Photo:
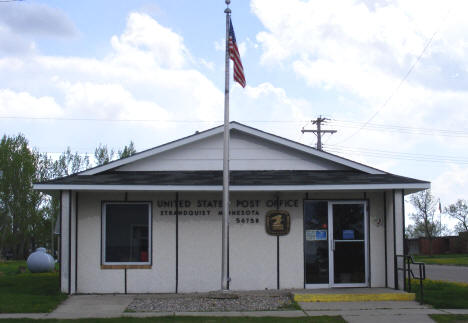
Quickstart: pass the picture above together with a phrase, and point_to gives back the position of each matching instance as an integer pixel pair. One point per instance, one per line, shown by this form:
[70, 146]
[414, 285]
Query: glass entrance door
[348, 251]
[316, 244]
[335, 244]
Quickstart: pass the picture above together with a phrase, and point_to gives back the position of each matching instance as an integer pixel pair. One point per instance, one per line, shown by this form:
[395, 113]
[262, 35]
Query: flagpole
[225, 222]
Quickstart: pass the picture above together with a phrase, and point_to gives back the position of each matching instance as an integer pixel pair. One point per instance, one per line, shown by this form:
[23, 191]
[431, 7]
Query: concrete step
[353, 295]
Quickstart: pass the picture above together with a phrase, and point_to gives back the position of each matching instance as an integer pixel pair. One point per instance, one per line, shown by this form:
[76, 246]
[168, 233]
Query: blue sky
[163, 61]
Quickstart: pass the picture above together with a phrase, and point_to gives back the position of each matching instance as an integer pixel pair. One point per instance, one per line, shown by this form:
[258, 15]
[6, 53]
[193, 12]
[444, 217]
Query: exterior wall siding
[253, 261]
[246, 153]
[399, 233]
[390, 240]
[161, 277]
[64, 241]
[376, 237]
[199, 248]
[91, 278]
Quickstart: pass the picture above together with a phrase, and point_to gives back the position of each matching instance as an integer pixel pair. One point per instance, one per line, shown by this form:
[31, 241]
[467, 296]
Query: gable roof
[243, 129]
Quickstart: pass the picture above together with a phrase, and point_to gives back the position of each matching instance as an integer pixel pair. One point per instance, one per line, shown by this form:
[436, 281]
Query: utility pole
[319, 130]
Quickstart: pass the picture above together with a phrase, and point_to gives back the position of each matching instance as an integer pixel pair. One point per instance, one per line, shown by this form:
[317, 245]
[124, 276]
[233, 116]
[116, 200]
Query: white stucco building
[151, 223]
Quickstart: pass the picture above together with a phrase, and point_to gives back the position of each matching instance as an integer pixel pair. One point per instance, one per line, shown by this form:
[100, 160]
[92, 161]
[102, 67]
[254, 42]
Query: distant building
[300, 218]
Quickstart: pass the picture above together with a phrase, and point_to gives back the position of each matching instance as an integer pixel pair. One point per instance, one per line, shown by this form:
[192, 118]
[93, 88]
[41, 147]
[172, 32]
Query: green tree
[27, 217]
[459, 212]
[19, 202]
[419, 230]
[103, 155]
[69, 163]
[425, 223]
[127, 151]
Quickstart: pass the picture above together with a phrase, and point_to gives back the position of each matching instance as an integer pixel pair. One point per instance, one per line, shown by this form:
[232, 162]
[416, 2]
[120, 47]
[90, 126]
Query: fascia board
[90, 187]
[234, 188]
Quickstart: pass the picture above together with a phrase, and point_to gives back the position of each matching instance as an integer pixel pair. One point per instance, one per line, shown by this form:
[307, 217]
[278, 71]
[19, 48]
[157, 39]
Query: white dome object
[40, 261]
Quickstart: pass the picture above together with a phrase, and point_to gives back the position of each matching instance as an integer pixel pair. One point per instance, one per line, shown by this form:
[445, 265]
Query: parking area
[457, 274]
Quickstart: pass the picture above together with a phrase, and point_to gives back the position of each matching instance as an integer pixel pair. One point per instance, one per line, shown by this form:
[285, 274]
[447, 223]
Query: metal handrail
[408, 272]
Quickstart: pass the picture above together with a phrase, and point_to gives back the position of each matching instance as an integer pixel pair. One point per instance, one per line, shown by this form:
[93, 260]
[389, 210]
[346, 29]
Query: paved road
[448, 273]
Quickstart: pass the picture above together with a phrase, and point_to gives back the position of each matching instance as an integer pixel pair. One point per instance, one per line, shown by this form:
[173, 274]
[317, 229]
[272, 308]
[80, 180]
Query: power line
[392, 157]
[398, 155]
[393, 152]
[144, 120]
[304, 122]
[395, 126]
[398, 86]
[340, 123]
[402, 129]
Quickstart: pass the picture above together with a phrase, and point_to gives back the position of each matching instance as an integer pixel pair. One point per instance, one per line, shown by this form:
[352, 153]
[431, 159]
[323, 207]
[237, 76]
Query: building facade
[299, 218]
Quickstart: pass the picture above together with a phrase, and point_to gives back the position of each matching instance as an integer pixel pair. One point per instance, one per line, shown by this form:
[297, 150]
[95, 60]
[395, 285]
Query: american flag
[235, 56]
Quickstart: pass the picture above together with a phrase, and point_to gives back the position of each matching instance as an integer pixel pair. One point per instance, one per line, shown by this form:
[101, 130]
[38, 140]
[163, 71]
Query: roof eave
[414, 187]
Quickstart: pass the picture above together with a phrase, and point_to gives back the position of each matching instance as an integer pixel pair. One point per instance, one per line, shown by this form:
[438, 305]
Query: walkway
[87, 306]
[449, 273]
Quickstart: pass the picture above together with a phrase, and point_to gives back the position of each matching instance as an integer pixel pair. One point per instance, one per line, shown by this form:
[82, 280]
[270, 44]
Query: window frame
[118, 265]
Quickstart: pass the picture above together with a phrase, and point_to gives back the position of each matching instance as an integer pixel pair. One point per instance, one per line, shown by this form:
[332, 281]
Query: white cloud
[452, 184]
[366, 50]
[14, 104]
[242, 48]
[149, 43]
[149, 74]
[207, 64]
[220, 45]
[110, 101]
[362, 50]
[266, 102]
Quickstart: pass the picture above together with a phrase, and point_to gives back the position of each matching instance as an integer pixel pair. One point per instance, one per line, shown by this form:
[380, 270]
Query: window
[126, 233]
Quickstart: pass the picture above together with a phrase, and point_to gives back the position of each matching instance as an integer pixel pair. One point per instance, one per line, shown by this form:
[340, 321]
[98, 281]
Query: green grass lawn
[442, 294]
[446, 318]
[451, 259]
[27, 292]
[206, 319]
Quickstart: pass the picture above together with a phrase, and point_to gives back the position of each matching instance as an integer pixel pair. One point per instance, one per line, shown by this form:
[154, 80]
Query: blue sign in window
[348, 234]
[321, 235]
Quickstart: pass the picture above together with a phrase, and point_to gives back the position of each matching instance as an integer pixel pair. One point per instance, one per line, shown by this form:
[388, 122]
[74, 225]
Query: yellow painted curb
[354, 297]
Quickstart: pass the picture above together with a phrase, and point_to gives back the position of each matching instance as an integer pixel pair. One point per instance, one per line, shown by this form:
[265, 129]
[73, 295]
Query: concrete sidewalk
[105, 306]
[85, 306]
[385, 311]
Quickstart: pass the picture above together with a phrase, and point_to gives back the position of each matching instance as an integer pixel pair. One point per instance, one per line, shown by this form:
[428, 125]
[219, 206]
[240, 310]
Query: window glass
[127, 233]
[348, 221]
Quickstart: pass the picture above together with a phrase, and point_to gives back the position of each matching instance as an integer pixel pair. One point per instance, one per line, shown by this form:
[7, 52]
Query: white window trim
[103, 233]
